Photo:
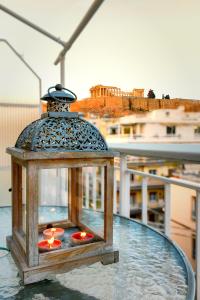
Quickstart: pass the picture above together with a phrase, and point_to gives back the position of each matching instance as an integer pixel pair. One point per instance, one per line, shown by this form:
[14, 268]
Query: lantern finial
[59, 99]
[58, 87]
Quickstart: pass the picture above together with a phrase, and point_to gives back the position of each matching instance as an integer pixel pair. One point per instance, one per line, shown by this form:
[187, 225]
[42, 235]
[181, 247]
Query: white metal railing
[122, 183]
[124, 208]
[124, 201]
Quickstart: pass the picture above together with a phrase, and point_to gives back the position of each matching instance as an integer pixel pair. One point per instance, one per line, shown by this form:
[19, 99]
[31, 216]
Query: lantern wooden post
[32, 214]
[75, 194]
[16, 195]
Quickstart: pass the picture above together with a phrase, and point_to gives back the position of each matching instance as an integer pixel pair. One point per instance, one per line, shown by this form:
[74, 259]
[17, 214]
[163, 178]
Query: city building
[183, 220]
[183, 200]
[159, 126]
[156, 188]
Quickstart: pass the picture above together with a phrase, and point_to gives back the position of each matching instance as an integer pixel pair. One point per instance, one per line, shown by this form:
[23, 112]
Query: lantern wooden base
[35, 266]
[57, 262]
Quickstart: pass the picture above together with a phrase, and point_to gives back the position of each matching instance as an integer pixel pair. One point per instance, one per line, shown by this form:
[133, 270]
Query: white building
[159, 126]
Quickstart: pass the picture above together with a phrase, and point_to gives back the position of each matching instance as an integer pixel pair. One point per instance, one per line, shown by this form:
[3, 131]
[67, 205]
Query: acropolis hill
[109, 100]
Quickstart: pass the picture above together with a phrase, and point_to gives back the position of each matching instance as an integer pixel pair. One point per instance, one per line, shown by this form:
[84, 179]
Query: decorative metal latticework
[61, 134]
[57, 106]
[60, 130]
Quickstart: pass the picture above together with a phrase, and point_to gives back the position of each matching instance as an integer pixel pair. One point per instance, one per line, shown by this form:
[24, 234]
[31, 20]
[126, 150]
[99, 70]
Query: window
[171, 172]
[193, 247]
[170, 130]
[133, 200]
[197, 130]
[153, 196]
[194, 208]
[127, 130]
[153, 171]
[113, 130]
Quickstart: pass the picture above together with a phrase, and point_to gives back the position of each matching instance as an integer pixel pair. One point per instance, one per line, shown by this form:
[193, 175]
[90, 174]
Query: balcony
[151, 265]
[169, 138]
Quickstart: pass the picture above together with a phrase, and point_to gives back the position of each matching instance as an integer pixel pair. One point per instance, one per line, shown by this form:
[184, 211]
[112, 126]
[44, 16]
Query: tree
[151, 94]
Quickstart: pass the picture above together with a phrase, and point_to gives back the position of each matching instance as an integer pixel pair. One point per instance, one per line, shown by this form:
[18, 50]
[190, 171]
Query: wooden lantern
[60, 139]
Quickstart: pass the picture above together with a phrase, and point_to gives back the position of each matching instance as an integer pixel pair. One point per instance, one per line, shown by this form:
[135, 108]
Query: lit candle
[83, 237]
[49, 245]
[57, 233]
[50, 242]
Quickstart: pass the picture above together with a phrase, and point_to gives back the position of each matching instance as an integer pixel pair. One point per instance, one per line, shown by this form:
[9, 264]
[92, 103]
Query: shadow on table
[51, 290]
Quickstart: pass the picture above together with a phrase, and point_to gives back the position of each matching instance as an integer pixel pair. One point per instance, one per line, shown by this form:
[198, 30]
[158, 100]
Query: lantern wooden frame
[34, 266]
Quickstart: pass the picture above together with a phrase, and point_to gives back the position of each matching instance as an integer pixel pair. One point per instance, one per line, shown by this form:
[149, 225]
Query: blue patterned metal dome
[59, 130]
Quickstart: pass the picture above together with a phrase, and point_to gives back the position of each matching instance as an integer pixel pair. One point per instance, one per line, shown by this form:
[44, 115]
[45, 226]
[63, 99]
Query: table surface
[150, 267]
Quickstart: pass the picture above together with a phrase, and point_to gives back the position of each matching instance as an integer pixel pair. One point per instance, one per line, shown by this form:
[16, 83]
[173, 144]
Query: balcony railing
[188, 154]
[164, 138]
[179, 153]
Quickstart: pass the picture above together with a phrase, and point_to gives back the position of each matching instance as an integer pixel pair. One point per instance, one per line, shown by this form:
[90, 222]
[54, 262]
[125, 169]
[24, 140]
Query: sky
[128, 43]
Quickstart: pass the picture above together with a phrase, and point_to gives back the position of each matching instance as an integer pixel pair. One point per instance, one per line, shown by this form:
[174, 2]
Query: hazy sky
[128, 43]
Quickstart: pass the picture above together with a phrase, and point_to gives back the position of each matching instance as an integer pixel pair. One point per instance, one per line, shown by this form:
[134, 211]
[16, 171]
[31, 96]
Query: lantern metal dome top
[59, 130]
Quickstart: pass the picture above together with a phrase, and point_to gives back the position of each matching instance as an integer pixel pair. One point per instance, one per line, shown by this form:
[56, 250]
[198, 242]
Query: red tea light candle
[49, 245]
[79, 238]
[57, 233]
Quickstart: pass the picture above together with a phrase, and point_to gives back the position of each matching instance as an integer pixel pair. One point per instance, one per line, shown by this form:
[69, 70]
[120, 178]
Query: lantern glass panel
[93, 199]
[53, 195]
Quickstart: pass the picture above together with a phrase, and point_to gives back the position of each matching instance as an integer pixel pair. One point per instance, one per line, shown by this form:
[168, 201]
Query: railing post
[144, 200]
[124, 188]
[87, 188]
[197, 244]
[58, 186]
[67, 187]
[102, 188]
[167, 208]
[94, 190]
[115, 193]
[127, 195]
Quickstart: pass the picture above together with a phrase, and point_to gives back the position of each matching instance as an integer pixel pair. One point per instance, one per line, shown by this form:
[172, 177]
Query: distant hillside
[113, 102]
[116, 106]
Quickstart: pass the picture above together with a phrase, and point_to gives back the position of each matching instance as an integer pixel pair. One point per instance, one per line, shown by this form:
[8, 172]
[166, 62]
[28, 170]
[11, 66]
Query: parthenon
[109, 91]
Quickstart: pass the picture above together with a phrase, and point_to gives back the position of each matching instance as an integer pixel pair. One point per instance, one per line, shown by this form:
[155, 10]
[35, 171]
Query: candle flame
[83, 234]
[50, 242]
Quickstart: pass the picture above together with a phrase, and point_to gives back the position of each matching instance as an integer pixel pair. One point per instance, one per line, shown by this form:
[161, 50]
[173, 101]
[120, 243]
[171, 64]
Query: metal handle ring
[61, 100]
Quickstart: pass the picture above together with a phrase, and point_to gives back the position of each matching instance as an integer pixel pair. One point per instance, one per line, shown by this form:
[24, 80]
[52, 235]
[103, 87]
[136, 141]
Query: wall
[13, 119]
[181, 213]
[183, 237]
[182, 197]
